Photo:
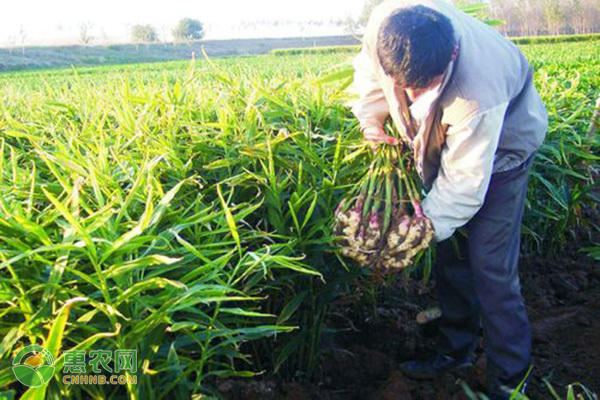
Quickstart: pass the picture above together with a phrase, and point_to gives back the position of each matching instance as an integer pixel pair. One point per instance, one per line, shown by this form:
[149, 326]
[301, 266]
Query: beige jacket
[488, 118]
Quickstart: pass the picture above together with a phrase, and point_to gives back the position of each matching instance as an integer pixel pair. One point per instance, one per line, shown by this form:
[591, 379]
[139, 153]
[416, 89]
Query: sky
[59, 21]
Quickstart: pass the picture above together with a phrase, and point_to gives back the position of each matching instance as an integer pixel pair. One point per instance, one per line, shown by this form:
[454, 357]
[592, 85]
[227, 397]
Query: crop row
[188, 211]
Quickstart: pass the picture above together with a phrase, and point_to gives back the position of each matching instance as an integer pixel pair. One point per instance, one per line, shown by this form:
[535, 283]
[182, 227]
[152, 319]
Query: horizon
[109, 22]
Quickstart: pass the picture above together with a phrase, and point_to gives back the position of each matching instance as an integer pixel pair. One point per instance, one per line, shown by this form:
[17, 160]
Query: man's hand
[376, 135]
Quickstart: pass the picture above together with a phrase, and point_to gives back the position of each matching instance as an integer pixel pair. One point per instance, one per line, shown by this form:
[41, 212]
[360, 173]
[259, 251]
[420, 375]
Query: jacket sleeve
[467, 160]
[371, 108]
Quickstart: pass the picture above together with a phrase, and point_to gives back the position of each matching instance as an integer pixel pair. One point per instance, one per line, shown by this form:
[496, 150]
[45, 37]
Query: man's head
[415, 46]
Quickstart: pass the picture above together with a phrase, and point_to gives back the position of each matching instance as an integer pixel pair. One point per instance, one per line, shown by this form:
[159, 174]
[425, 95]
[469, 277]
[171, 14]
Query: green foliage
[562, 184]
[189, 208]
[316, 50]
[574, 391]
[189, 29]
[144, 34]
[356, 48]
[593, 251]
[555, 39]
[172, 213]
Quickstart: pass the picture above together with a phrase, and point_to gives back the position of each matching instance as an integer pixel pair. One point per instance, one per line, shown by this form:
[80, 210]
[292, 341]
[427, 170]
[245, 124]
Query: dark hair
[415, 45]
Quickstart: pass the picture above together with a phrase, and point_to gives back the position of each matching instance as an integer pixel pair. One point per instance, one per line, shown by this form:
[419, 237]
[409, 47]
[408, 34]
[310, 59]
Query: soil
[563, 299]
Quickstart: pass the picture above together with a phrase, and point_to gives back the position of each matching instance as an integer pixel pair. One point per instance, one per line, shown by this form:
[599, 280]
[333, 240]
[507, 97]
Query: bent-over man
[463, 99]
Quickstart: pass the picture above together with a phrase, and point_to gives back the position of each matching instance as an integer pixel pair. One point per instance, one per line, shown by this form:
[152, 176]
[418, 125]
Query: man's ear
[436, 81]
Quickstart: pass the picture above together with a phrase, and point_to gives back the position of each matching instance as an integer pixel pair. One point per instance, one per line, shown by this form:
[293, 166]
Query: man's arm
[467, 161]
[371, 107]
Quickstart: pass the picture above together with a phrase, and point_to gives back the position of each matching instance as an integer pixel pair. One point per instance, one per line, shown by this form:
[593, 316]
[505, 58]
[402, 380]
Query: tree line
[546, 17]
[186, 29]
[528, 17]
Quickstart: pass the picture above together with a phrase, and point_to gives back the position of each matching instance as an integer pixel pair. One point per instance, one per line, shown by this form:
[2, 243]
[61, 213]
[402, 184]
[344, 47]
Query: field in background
[31, 58]
[189, 206]
[517, 40]
[66, 56]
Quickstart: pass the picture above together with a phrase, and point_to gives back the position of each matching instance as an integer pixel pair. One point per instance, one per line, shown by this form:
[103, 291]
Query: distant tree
[164, 32]
[554, 16]
[337, 21]
[22, 38]
[575, 16]
[539, 17]
[104, 36]
[363, 18]
[189, 29]
[592, 16]
[12, 42]
[352, 26]
[476, 8]
[521, 17]
[144, 33]
[85, 36]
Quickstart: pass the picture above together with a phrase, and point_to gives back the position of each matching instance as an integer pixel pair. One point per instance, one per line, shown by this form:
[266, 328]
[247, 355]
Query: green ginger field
[184, 210]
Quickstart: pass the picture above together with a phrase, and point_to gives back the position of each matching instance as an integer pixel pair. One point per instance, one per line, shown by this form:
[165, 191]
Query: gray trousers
[478, 282]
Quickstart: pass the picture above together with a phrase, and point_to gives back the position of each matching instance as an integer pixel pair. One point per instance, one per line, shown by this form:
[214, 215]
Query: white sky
[53, 21]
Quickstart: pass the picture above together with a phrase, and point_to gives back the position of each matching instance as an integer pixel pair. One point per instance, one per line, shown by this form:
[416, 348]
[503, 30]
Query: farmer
[463, 99]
